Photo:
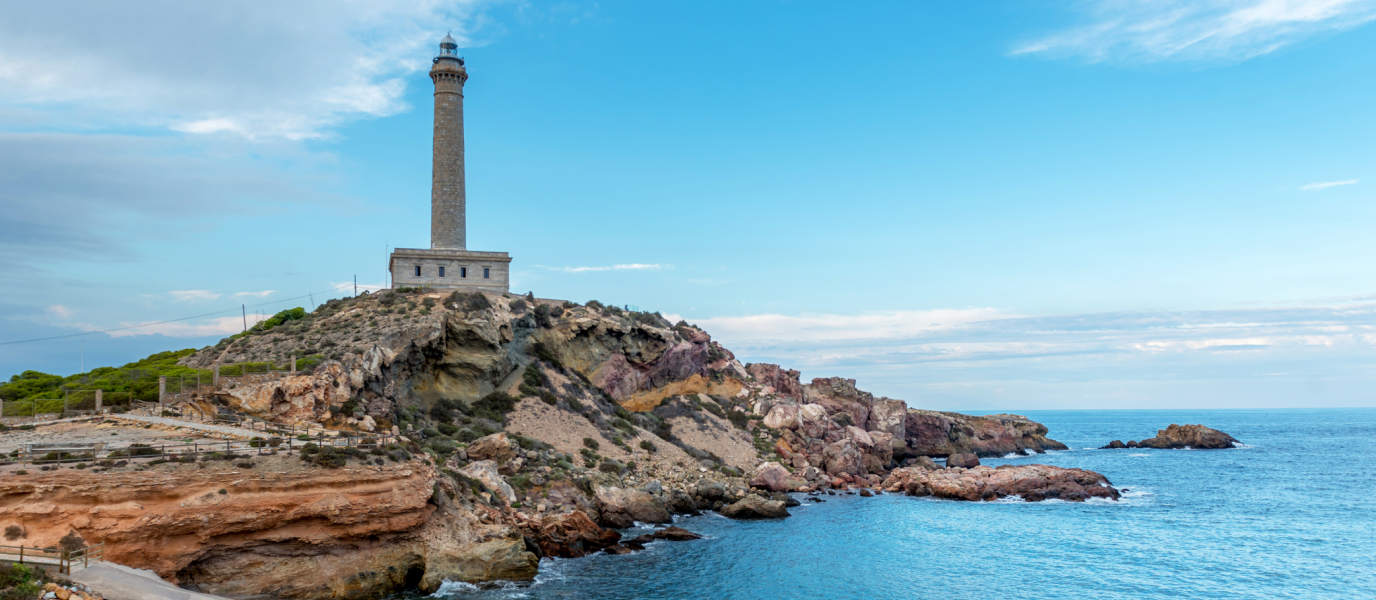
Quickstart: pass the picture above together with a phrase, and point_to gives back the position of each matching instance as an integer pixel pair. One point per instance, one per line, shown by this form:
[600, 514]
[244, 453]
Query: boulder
[883, 446]
[1132, 444]
[862, 439]
[925, 462]
[570, 535]
[842, 458]
[964, 460]
[485, 471]
[497, 448]
[1197, 437]
[783, 416]
[621, 508]
[755, 507]
[770, 476]
[676, 534]
[1113, 445]
[784, 381]
[888, 415]
[710, 490]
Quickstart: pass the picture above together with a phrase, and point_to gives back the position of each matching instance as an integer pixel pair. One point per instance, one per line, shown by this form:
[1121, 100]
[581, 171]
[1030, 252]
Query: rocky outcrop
[302, 533]
[1114, 445]
[964, 460]
[486, 473]
[1197, 437]
[932, 433]
[777, 381]
[1032, 482]
[621, 508]
[497, 448]
[570, 535]
[771, 476]
[755, 507]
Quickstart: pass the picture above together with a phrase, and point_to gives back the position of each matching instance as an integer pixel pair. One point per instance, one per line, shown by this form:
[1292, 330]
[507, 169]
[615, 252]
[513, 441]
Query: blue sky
[994, 205]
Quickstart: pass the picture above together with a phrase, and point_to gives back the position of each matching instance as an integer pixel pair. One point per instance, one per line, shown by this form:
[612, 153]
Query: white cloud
[1327, 184]
[188, 295]
[628, 267]
[262, 294]
[894, 324]
[1156, 30]
[211, 327]
[61, 311]
[222, 67]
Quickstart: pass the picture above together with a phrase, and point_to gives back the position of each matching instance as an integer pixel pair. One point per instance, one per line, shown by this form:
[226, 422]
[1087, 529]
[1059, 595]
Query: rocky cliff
[530, 427]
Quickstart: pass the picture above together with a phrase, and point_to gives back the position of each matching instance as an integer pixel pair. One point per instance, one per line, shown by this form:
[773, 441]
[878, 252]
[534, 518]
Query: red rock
[1031, 482]
[570, 535]
[963, 460]
[1198, 437]
[771, 476]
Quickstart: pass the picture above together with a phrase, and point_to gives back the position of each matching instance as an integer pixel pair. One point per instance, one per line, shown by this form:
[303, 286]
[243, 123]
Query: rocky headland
[523, 428]
[1197, 437]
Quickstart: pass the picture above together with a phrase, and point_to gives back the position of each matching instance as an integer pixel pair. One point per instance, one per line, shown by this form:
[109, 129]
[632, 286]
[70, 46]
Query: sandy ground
[114, 434]
[718, 436]
[565, 431]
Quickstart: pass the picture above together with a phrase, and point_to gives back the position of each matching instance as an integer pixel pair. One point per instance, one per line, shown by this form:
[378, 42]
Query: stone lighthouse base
[444, 269]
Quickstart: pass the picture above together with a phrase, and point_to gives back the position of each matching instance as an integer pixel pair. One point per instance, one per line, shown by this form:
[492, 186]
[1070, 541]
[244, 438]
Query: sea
[1290, 515]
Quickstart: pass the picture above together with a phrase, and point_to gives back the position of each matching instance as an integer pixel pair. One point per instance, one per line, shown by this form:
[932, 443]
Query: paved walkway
[118, 582]
[221, 429]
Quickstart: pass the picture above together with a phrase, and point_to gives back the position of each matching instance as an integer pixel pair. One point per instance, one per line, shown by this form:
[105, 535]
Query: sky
[1000, 205]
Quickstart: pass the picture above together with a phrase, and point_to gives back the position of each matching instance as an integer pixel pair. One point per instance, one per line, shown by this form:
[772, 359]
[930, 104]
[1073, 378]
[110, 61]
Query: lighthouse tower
[448, 264]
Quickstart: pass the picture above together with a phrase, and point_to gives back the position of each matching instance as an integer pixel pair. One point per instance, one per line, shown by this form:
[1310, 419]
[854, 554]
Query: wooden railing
[64, 559]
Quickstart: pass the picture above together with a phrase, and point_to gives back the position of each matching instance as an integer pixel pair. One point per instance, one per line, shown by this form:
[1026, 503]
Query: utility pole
[245, 311]
[83, 355]
[355, 286]
[312, 301]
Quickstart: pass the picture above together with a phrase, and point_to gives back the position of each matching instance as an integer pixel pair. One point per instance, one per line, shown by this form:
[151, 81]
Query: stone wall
[405, 260]
[447, 195]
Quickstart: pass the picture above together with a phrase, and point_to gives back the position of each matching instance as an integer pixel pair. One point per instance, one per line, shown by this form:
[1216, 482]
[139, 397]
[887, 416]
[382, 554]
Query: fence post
[64, 404]
[99, 397]
[293, 364]
[162, 391]
[215, 377]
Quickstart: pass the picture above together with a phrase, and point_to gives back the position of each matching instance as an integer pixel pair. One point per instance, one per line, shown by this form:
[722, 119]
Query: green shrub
[469, 302]
[494, 406]
[649, 446]
[609, 466]
[532, 376]
[543, 352]
[447, 428]
[590, 443]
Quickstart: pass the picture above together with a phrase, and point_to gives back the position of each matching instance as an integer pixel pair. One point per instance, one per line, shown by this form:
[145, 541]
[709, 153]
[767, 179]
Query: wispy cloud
[348, 287]
[1230, 30]
[262, 294]
[183, 329]
[188, 295]
[1327, 184]
[60, 311]
[886, 325]
[627, 267]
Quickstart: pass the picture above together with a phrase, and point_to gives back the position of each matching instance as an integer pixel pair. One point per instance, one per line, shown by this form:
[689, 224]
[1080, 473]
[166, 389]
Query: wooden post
[293, 364]
[99, 397]
[162, 391]
[64, 408]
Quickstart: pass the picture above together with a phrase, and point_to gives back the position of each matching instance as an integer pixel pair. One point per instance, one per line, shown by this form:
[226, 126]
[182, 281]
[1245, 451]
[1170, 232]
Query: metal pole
[162, 391]
[244, 310]
[355, 286]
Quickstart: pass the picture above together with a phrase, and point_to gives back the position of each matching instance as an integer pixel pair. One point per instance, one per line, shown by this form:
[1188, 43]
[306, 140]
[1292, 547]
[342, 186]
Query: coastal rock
[770, 476]
[784, 381]
[842, 458]
[1114, 445]
[924, 462]
[783, 416]
[676, 534]
[889, 416]
[571, 535]
[883, 447]
[621, 508]
[933, 433]
[1198, 437]
[497, 448]
[964, 460]
[755, 507]
[1032, 482]
[839, 395]
[485, 471]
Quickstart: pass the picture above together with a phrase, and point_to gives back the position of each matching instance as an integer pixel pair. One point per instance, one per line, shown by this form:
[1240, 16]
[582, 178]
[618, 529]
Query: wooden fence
[64, 559]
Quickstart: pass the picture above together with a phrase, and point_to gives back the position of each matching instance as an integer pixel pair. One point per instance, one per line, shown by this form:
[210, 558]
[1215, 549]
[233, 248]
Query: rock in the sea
[497, 448]
[1032, 482]
[1114, 445]
[770, 476]
[755, 507]
[571, 535]
[932, 433]
[964, 460]
[676, 534]
[924, 462]
[621, 507]
[485, 471]
[1198, 437]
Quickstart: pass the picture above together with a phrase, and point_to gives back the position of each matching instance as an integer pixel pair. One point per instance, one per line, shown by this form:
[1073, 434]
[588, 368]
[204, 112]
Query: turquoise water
[1292, 515]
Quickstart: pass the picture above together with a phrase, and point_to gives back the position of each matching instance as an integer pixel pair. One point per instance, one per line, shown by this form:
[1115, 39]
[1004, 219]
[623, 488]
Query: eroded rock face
[1198, 437]
[842, 458]
[932, 433]
[348, 532]
[497, 448]
[839, 395]
[1032, 482]
[755, 507]
[783, 382]
[621, 507]
[784, 416]
[571, 535]
[485, 471]
[771, 476]
[889, 416]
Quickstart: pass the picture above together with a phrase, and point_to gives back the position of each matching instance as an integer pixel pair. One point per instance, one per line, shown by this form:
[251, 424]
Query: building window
[487, 273]
[441, 271]
[417, 270]
[463, 272]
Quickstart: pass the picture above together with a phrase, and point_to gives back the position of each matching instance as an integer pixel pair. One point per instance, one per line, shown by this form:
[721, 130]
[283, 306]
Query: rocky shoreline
[529, 428]
[1176, 437]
